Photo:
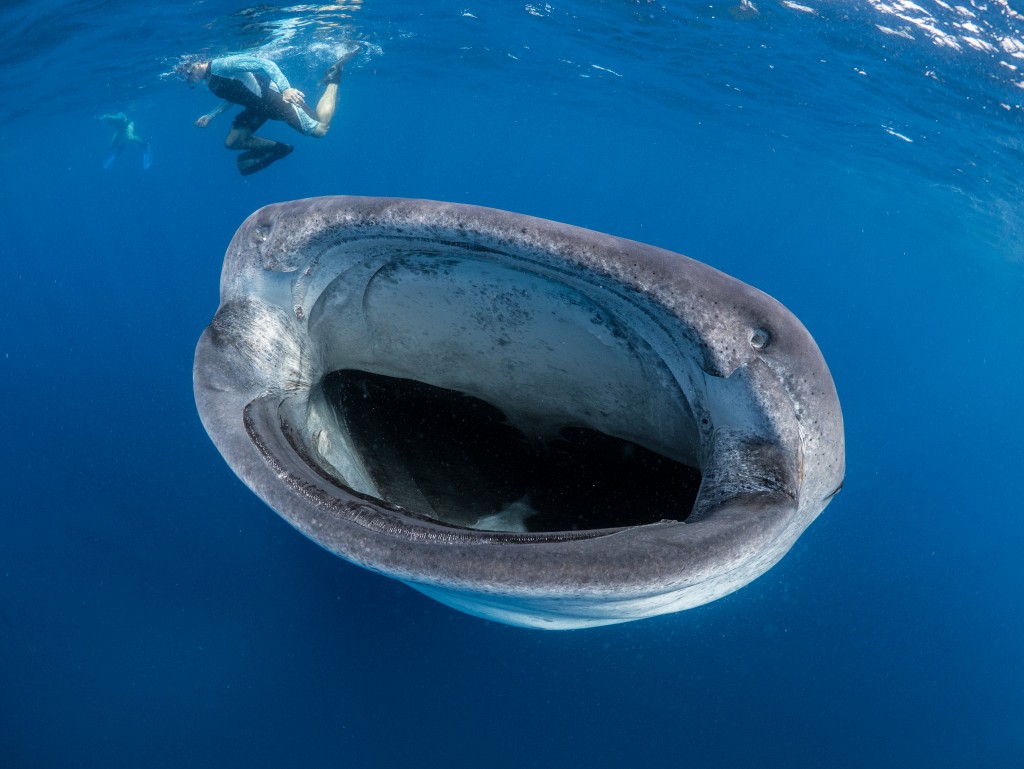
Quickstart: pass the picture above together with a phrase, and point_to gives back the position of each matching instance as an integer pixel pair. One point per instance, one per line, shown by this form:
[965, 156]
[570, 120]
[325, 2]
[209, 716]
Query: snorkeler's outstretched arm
[221, 108]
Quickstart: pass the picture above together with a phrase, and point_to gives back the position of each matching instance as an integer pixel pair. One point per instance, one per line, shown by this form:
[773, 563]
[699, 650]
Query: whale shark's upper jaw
[531, 422]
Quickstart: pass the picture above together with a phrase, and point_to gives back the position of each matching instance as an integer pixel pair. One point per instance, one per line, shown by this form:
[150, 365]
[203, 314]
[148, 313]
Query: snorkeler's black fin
[251, 161]
[333, 73]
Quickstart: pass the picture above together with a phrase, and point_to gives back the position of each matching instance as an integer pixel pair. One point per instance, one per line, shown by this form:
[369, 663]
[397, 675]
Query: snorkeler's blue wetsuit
[256, 84]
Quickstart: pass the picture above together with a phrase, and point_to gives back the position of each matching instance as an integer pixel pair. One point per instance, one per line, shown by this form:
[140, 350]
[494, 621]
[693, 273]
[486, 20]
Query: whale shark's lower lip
[528, 421]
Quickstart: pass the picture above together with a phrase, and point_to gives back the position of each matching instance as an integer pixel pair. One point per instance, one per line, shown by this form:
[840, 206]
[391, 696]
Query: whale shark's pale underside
[528, 421]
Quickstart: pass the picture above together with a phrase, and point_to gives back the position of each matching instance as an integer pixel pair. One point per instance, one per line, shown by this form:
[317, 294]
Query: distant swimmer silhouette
[124, 134]
[258, 85]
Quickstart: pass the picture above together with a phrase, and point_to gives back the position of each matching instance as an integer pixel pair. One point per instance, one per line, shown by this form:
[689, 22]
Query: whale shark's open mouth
[483, 391]
[528, 421]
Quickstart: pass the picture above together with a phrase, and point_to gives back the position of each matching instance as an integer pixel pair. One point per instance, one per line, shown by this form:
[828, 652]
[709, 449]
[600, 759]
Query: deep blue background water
[154, 613]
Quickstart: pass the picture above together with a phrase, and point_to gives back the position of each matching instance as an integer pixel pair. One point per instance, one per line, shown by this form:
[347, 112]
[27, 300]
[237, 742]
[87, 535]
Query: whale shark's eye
[759, 338]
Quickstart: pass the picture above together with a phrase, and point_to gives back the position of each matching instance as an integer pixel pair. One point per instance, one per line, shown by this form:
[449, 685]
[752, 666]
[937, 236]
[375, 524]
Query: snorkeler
[124, 134]
[260, 87]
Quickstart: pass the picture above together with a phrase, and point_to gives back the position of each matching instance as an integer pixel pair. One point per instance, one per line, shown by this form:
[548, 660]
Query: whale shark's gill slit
[457, 459]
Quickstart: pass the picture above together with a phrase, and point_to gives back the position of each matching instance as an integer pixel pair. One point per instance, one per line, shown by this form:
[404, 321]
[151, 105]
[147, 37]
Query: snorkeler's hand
[203, 121]
[294, 96]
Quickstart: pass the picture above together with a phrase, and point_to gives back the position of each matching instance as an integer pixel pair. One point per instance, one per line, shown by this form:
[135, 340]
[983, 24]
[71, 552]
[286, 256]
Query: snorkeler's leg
[325, 109]
[131, 136]
[244, 139]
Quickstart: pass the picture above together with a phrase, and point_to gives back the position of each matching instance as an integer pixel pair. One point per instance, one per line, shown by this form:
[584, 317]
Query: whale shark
[528, 421]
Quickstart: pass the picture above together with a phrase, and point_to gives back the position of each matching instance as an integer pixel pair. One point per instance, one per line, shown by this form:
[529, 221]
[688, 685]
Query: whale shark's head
[528, 421]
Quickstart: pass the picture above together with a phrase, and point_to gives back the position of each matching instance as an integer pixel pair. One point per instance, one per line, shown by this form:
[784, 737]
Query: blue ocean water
[860, 161]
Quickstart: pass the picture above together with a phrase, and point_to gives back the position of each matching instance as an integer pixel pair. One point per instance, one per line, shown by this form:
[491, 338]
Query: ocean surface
[859, 161]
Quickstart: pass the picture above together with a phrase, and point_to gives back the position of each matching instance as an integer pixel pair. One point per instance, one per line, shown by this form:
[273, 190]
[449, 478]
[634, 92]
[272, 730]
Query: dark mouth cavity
[457, 459]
